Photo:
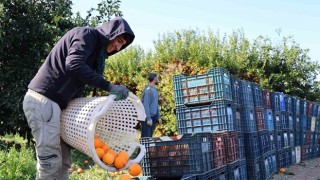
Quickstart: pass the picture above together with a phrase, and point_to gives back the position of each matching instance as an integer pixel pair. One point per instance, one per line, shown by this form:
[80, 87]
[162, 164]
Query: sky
[151, 18]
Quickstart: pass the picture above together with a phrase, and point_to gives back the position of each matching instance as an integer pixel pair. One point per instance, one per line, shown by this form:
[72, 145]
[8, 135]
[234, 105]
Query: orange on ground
[100, 152]
[105, 148]
[108, 158]
[125, 177]
[119, 162]
[134, 169]
[124, 154]
[112, 152]
[79, 170]
[282, 170]
[98, 143]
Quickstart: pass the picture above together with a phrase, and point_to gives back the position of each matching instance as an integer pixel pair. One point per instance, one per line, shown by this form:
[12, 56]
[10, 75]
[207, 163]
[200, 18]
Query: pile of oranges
[111, 158]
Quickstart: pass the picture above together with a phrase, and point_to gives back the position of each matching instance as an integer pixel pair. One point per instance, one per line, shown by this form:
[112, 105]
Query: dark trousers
[146, 130]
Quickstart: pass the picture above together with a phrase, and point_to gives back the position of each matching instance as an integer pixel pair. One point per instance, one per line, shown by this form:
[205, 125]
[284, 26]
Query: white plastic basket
[112, 121]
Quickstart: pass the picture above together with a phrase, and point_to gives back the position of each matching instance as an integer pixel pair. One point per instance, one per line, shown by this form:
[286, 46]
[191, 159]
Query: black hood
[110, 30]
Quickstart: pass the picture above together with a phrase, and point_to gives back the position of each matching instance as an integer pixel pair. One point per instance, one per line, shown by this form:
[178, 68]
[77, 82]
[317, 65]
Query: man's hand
[149, 122]
[120, 91]
[160, 121]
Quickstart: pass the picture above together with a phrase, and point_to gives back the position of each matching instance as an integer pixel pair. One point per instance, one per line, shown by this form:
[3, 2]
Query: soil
[307, 170]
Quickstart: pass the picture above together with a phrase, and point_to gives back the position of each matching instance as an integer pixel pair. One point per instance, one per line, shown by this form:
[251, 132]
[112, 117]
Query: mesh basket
[112, 121]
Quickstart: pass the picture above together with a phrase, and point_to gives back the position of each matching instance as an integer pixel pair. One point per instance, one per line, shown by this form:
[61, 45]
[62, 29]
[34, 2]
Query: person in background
[151, 105]
[75, 61]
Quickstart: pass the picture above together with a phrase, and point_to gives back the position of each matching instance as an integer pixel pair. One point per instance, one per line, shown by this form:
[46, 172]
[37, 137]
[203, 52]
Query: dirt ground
[308, 170]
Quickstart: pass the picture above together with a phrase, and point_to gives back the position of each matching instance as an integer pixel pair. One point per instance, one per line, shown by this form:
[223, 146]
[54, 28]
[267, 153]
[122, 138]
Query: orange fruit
[112, 152]
[134, 169]
[79, 170]
[105, 148]
[100, 152]
[282, 170]
[98, 143]
[119, 162]
[108, 158]
[124, 154]
[125, 177]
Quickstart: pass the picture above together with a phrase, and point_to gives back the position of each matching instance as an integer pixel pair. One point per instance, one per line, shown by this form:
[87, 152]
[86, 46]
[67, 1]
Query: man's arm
[147, 101]
[81, 47]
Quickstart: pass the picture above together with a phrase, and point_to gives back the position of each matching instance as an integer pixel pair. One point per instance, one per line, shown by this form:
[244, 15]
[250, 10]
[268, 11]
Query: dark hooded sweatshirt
[72, 62]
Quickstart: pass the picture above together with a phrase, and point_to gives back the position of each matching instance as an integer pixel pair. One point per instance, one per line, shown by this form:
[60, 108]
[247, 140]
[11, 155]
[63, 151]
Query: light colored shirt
[150, 100]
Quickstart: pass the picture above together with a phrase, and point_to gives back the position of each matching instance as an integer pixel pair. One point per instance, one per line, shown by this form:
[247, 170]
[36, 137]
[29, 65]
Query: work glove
[120, 91]
[149, 122]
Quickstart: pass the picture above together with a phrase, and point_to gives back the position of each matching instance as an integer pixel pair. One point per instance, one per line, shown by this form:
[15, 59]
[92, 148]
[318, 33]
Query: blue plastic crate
[296, 105]
[315, 151]
[293, 156]
[254, 169]
[288, 138]
[236, 91]
[215, 85]
[303, 107]
[269, 119]
[298, 138]
[246, 94]
[280, 121]
[238, 112]
[238, 170]
[192, 154]
[216, 174]
[264, 141]
[241, 145]
[289, 118]
[288, 103]
[278, 101]
[268, 164]
[252, 147]
[304, 122]
[248, 120]
[273, 140]
[284, 158]
[218, 116]
[315, 109]
[306, 152]
[278, 136]
[257, 95]
[190, 177]
[296, 123]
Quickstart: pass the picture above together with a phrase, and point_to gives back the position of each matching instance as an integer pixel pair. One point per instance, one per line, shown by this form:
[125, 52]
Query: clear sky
[149, 18]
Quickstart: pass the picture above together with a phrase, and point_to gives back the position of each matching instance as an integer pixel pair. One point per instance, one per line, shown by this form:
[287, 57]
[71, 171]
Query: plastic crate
[236, 91]
[254, 169]
[296, 123]
[286, 138]
[190, 177]
[316, 139]
[218, 116]
[284, 158]
[293, 156]
[252, 147]
[298, 138]
[192, 154]
[306, 152]
[215, 85]
[241, 145]
[273, 141]
[266, 99]
[280, 121]
[292, 138]
[310, 108]
[304, 122]
[308, 138]
[315, 109]
[269, 119]
[216, 174]
[232, 146]
[278, 136]
[303, 107]
[238, 170]
[289, 120]
[246, 93]
[278, 101]
[248, 120]
[257, 95]
[219, 145]
[312, 121]
[298, 154]
[268, 164]
[238, 112]
[296, 106]
[260, 118]
[315, 151]
[264, 142]
[289, 103]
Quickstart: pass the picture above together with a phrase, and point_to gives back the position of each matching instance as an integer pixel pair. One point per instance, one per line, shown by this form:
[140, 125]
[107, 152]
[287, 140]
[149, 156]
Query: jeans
[146, 130]
[53, 154]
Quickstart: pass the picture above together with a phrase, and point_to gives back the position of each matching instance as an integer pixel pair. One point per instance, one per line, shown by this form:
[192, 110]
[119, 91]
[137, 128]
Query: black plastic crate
[192, 154]
[236, 91]
[246, 94]
[216, 174]
[257, 95]
[284, 158]
[266, 99]
[232, 146]
[273, 140]
[303, 107]
[268, 164]
[215, 85]
[315, 151]
[238, 170]
[296, 105]
[248, 120]
[190, 177]
[288, 103]
[241, 145]
[278, 136]
[254, 169]
[269, 119]
[260, 118]
[296, 123]
[306, 152]
[252, 147]
[278, 101]
[218, 116]
[264, 141]
[316, 139]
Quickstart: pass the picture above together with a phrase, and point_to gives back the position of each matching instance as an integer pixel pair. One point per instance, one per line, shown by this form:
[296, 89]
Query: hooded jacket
[72, 62]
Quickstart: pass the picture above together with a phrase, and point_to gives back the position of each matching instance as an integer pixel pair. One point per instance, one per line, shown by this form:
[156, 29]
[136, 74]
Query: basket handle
[131, 96]
[139, 157]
